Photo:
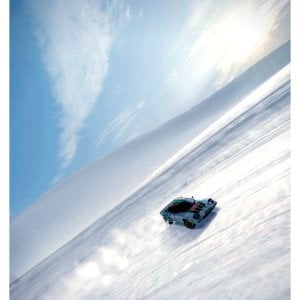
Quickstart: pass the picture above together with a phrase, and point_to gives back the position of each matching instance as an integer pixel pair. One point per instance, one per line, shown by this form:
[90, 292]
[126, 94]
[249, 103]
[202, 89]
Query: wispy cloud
[75, 37]
[119, 124]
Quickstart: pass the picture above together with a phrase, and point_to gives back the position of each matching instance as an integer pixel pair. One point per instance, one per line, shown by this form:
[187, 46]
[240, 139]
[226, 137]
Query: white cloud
[172, 78]
[75, 37]
[117, 127]
[57, 178]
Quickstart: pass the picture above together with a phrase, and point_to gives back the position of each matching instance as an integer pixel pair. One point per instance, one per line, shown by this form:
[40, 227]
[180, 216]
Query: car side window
[171, 210]
[181, 207]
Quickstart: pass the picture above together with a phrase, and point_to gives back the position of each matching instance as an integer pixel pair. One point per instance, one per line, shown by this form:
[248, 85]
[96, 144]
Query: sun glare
[239, 40]
[242, 36]
[228, 44]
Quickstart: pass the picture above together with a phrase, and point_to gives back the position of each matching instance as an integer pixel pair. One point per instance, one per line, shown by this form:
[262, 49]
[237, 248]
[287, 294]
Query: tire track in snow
[149, 256]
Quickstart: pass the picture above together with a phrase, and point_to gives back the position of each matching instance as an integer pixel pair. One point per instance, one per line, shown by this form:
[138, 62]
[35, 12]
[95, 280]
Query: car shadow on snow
[178, 234]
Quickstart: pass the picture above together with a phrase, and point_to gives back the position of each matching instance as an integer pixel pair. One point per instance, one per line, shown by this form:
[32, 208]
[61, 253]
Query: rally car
[188, 210]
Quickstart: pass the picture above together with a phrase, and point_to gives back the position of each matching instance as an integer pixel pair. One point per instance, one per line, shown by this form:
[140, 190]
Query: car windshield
[181, 205]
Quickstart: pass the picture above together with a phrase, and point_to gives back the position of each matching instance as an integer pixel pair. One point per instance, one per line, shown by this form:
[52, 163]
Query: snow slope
[76, 203]
[240, 251]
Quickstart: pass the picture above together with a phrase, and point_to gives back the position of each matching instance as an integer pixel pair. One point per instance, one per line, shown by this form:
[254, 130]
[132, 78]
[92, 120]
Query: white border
[4, 163]
[4, 154]
[295, 118]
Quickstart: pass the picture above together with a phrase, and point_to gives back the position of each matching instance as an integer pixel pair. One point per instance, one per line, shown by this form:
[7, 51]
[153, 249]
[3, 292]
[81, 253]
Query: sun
[241, 36]
[235, 40]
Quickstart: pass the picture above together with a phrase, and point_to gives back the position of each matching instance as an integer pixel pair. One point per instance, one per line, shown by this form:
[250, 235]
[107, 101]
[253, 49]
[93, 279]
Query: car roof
[176, 202]
[180, 199]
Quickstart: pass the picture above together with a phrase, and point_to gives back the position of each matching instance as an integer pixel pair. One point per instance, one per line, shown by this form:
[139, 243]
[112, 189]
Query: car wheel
[170, 222]
[189, 224]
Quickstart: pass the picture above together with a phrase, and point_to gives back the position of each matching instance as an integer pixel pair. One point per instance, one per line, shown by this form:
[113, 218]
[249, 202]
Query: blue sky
[88, 76]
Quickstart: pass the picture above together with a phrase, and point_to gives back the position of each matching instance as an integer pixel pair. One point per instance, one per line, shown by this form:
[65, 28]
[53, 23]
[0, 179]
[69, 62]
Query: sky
[88, 76]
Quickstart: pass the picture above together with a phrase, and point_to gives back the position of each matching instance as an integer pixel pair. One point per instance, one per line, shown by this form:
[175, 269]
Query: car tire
[189, 224]
[170, 222]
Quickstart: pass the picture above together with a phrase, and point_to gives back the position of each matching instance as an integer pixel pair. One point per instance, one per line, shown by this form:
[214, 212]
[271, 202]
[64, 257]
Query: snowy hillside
[76, 203]
[241, 251]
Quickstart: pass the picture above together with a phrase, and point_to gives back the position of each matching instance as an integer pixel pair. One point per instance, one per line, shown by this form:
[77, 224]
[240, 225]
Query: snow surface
[76, 203]
[240, 251]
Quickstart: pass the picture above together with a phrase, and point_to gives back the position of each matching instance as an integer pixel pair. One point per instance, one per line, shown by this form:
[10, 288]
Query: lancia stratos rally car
[188, 210]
